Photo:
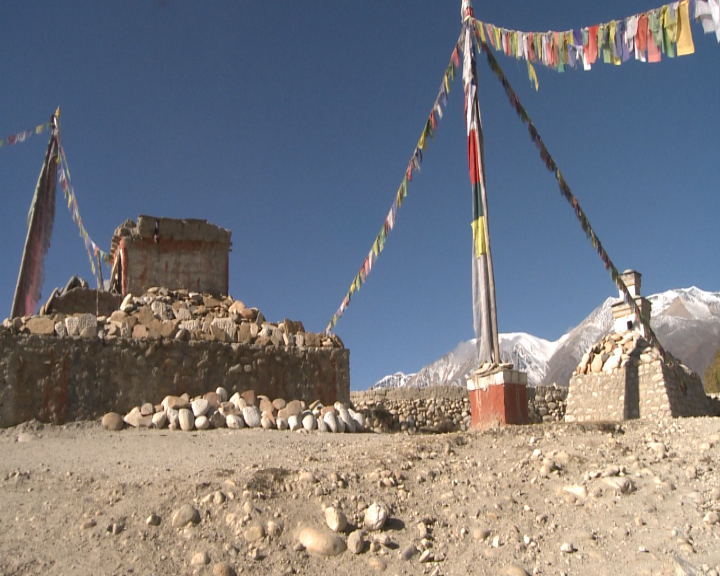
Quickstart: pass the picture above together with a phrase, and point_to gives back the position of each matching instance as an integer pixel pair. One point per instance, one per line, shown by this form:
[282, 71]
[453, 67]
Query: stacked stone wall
[64, 379]
[443, 407]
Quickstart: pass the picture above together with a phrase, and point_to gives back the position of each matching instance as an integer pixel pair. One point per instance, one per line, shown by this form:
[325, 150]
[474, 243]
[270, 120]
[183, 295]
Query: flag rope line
[93, 250]
[568, 195]
[25, 134]
[644, 37]
[428, 132]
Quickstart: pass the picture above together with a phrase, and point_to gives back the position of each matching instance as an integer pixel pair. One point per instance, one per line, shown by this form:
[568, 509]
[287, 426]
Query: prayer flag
[41, 219]
[481, 290]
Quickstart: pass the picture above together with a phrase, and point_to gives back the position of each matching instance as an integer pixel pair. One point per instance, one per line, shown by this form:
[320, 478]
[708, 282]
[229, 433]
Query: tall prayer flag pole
[40, 225]
[484, 306]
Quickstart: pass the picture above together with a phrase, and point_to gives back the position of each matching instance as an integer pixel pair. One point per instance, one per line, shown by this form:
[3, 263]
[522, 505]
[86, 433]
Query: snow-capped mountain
[686, 321]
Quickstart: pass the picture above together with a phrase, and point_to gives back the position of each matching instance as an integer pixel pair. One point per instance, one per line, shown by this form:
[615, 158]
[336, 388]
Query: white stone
[309, 422]
[202, 423]
[375, 516]
[200, 407]
[186, 419]
[293, 423]
[281, 423]
[160, 419]
[321, 542]
[173, 416]
[331, 421]
[347, 420]
[252, 416]
[220, 391]
[336, 519]
[359, 418]
[234, 422]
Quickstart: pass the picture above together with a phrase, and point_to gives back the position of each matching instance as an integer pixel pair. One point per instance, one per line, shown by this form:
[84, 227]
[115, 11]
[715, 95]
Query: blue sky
[292, 123]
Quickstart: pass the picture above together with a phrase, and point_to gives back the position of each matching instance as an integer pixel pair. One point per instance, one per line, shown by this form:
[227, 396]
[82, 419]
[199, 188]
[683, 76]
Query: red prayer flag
[591, 50]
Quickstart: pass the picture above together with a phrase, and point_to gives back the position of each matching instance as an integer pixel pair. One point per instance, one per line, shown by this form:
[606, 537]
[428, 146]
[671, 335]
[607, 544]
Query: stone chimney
[623, 312]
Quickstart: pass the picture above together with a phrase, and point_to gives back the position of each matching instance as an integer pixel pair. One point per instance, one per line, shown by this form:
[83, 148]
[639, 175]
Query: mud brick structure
[189, 254]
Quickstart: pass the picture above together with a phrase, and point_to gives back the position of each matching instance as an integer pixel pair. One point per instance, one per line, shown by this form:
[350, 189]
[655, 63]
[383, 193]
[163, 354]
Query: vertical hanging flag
[40, 225]
[482, 318]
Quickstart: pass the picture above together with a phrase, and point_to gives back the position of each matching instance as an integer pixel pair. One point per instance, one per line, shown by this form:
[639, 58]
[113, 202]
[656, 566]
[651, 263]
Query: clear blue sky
[292, 123]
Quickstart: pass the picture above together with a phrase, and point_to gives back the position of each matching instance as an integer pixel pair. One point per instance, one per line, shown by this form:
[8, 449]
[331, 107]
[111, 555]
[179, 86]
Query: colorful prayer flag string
[25, 134]
[428, 133]
[92, 249]
[643, 37]
[568, 195]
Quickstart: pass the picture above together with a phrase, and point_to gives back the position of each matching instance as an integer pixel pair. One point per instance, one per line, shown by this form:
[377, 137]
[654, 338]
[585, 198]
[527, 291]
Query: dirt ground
[637, 498]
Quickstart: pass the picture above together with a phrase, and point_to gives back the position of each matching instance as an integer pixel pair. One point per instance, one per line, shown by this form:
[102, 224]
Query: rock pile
[241, 410]
[546, 403]
[176, 314]
[617, 350]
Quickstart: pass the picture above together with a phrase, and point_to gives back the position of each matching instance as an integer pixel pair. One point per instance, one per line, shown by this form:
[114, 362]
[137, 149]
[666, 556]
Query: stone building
[623, 377]
[176, 254]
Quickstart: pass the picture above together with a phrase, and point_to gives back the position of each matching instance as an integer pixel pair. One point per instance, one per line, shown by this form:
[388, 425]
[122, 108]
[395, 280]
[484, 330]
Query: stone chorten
[623, 377]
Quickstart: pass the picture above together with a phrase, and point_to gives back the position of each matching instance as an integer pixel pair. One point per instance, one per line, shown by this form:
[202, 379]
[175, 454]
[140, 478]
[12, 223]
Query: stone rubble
[163, 314]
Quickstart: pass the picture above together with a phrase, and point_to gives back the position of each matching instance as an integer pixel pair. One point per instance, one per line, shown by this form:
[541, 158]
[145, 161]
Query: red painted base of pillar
[499, 404]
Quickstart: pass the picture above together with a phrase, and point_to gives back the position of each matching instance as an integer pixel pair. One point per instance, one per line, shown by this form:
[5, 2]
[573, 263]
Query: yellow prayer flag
[481, 30]
[685, 43]
[617, 60]
[533, 75]
[478, 227]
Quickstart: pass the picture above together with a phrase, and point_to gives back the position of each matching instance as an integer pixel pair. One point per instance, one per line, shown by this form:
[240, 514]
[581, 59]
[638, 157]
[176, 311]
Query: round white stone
[186, 419]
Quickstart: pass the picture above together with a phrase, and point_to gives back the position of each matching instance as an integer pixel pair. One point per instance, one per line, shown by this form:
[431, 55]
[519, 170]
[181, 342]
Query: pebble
[273, 529]
[336, 519]
[186, 419]
[567, 548]
[711, 518]
[514, 570]
[409, 552]
[321, 542]
[153, 520]
[375, 516]
[377, 563]
[356, 541]
[426, 556]
[621, 484]
[253, 533]
[223, 569]
[187, 514]
[113, 421]
[200, 559]
[88, 524]
[281, 423]
[480, 533]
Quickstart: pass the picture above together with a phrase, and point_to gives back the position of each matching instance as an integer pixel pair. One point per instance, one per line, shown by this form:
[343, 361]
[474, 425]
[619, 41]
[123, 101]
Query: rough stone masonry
[60, 367]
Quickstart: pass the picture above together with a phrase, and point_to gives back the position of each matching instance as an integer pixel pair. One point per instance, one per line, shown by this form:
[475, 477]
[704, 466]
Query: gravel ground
[636, 498]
